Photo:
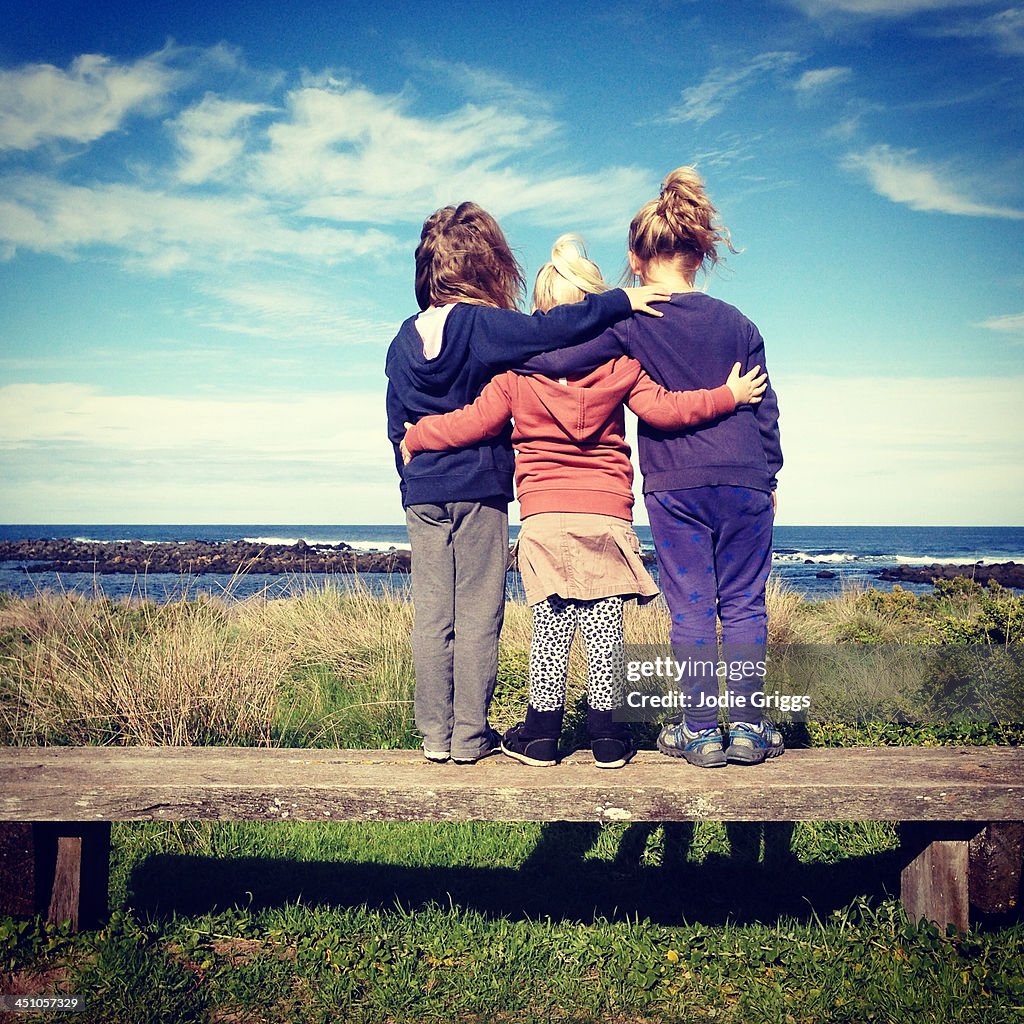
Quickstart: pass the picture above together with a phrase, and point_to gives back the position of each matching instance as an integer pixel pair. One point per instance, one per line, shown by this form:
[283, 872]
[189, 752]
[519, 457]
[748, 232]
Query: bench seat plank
[193, 783]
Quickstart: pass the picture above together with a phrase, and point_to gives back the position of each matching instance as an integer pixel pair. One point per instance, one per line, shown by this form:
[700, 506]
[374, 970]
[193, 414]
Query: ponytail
[680, 222]
[568, 277]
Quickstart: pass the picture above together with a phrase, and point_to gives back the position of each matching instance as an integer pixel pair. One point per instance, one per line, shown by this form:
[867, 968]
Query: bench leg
[61, 869]
[80, 855]
[935, 880]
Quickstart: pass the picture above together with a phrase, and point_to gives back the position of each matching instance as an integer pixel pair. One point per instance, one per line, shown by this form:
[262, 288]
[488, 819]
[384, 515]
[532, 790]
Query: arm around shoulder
[484, 418]
[670, 410]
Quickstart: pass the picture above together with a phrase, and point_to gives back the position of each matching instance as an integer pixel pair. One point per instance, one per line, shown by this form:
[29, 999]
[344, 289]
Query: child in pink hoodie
[578, 555]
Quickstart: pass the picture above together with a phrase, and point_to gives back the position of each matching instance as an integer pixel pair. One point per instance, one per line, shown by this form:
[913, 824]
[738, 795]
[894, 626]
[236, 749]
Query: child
[710, 491]
[467, 285]
[578, 555]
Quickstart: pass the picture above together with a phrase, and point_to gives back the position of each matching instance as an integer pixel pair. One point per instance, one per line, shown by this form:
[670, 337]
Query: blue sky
[208, 214]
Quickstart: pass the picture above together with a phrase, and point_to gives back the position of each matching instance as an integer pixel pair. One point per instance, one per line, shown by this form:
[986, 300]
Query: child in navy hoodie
[456, 502]
[709, 489]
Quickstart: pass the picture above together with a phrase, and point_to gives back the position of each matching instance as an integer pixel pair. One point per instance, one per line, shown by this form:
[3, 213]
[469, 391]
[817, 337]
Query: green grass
[489, 922]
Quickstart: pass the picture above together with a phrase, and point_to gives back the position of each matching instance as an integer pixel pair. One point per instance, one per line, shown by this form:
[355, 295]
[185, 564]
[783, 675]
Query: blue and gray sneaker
[702, 748]
[752, 744]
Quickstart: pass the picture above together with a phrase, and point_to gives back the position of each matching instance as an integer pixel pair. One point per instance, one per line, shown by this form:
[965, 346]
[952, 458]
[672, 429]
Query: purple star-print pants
[714, 548]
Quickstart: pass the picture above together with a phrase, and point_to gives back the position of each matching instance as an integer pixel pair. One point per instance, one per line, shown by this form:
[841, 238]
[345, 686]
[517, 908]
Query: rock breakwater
[197, 557]
[1009, 574]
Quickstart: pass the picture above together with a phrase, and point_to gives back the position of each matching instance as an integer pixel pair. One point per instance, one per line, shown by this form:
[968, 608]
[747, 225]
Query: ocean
[849, 555]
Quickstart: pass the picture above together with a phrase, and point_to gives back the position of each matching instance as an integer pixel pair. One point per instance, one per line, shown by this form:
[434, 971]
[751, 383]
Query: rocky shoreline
[1009, 574]
[230, 557]
[197, 557]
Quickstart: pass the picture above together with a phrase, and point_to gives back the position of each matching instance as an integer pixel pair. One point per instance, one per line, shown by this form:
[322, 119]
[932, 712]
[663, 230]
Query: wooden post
[72, 871]
[934, 882]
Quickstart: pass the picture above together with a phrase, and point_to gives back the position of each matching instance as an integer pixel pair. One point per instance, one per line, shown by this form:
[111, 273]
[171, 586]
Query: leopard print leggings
[554, 625]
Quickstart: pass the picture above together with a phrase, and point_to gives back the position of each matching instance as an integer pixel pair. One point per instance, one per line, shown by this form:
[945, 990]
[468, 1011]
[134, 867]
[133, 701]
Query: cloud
[162, 231]
[42, 103]
[269, 310]
[898, 175]
[210, 138]
[700, 103]
[349, 154]
[1010, 323]
[881, 455]
[822, 78]
[1005, 30]
[881, 8]
[330, 427]
[135, 457]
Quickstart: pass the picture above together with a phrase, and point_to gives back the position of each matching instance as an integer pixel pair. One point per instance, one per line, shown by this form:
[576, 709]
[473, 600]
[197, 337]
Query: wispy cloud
[41, 103]
[881, 8]
[162, 231]
[272, 310]
[289, 457]
[821, 79]
[323, 426]
[709, 98]
[894, 450]
[899, 175]
[210, 136]
[1010, 323]
[1004, 30]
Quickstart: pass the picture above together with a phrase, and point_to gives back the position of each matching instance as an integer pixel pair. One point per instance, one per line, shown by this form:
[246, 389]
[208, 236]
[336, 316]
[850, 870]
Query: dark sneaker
[538, 752]
[702, 748]
[752, 744]
[493, 747]
[611, 753]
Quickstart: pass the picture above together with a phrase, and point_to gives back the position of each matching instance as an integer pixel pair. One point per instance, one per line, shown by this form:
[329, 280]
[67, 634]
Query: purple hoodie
[693, 345]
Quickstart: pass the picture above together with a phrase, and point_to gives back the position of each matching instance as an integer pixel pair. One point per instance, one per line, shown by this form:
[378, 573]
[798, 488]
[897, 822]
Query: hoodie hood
[408, 357]
[579, 409]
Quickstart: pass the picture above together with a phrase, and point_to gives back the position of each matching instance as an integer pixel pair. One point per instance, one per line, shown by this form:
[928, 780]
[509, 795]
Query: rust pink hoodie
[569, 435]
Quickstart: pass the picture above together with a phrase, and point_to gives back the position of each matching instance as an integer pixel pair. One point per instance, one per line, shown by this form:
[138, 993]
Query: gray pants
[459, 557]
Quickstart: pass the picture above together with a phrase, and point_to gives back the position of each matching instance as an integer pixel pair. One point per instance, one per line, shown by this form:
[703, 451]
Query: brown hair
[680, 222]
[568, 277]
[463, 257]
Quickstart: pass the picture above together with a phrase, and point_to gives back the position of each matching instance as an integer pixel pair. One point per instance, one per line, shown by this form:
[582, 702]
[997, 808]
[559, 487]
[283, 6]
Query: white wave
[957, 559]
[366, 546]
[832, 558]
[123, 540]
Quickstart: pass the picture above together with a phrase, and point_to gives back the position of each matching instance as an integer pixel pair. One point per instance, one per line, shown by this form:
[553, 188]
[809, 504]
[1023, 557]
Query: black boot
[610, 741]
[535, 741]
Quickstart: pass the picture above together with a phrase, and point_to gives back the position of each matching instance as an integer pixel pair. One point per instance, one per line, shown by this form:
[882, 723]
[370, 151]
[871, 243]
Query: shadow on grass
[556, 881]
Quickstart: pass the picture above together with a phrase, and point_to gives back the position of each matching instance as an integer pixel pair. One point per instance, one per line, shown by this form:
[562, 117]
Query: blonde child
[709, 491]
[578, 555]
[468, 284]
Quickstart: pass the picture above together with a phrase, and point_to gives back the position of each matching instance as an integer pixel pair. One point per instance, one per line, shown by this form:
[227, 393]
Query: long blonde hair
[679, 224]
[568, 276]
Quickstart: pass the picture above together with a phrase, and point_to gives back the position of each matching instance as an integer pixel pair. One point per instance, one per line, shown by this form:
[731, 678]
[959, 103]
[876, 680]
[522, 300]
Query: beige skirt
[581, 555]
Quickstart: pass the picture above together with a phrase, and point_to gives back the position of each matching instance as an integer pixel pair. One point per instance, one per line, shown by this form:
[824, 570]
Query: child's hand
[748, 389]
[641, 298]
[404, 448]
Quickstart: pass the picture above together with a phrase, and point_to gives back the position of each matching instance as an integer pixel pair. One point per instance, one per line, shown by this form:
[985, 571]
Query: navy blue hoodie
[478, 342]
[693, 345]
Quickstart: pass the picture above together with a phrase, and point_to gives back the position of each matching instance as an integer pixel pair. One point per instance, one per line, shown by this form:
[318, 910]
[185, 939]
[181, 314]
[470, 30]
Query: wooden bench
[962, 808]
